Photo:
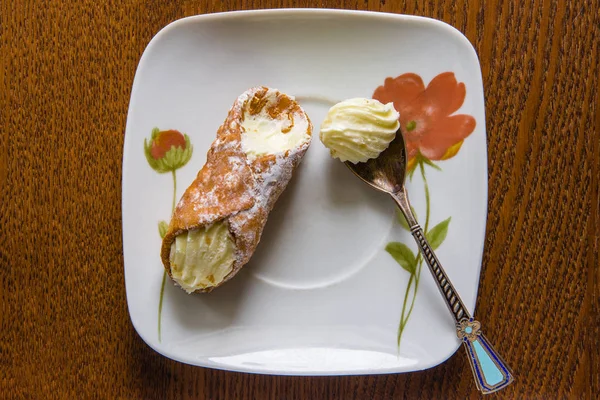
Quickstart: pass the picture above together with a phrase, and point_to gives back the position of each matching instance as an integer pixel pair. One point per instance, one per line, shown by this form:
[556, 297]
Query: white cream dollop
[359, 129]
[202, 258]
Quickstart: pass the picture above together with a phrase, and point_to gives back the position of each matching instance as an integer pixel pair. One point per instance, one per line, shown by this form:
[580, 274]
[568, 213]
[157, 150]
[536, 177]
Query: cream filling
[357, 130]
[263, 135]
[202, 258]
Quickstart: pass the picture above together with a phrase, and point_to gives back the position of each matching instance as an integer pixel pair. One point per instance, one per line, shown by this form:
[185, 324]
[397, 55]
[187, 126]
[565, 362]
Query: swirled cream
[201, 258]
[357, 130]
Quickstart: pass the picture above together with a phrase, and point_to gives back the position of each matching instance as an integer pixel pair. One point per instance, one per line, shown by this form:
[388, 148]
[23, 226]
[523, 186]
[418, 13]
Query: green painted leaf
[403, 256]
[437, 234]
[402, 218]
[162, 229]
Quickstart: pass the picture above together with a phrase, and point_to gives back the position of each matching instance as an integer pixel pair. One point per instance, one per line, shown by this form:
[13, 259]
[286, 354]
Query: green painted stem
[417, 275]
[160, 303]
[164, 279]
[402, 319]
[174, 191]
[422, 168]
[412, 302]
[420, 259]
[419, 262]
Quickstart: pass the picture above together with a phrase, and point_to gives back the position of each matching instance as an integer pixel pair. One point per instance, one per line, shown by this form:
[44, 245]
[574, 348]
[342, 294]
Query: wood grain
[66, 74]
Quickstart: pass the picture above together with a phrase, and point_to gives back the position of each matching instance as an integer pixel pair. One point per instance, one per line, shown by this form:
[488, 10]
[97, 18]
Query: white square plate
[321, 296]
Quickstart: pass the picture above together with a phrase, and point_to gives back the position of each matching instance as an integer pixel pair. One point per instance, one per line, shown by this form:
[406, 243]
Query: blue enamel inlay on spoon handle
[490, 372]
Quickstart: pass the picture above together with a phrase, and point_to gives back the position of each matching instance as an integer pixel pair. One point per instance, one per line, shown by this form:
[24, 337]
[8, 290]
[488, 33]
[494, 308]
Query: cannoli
[219, 220]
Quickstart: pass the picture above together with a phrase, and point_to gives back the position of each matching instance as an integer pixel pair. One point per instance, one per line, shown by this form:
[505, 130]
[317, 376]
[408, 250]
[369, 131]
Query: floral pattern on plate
[167, 151]
[432, 133]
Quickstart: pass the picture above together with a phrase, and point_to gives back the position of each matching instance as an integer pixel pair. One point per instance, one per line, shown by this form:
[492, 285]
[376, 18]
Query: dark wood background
[66, 75]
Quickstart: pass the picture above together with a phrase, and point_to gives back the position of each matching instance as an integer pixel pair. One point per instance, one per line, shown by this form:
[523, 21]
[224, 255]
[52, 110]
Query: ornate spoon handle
[489, 370]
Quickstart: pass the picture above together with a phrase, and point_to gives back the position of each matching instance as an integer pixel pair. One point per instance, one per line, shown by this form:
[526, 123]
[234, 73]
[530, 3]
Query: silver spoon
[386, 173]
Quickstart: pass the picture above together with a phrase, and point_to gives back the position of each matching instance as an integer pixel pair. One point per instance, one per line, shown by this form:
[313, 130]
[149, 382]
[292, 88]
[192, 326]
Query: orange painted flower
[426, 121]
[164, 141]
[167, 151]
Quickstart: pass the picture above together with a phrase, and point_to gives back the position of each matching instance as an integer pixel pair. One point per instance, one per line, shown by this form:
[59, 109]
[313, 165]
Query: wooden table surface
[67, 70]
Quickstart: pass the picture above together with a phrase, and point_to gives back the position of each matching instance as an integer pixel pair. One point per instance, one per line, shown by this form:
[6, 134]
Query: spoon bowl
[386, 172]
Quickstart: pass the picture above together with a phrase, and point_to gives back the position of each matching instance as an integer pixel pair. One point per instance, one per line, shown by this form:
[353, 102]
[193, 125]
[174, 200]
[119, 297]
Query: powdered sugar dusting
[271, 176]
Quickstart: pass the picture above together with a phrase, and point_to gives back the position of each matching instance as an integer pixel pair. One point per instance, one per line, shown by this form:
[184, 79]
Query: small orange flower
[164, 141]
[426, 122]
[167, 151]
